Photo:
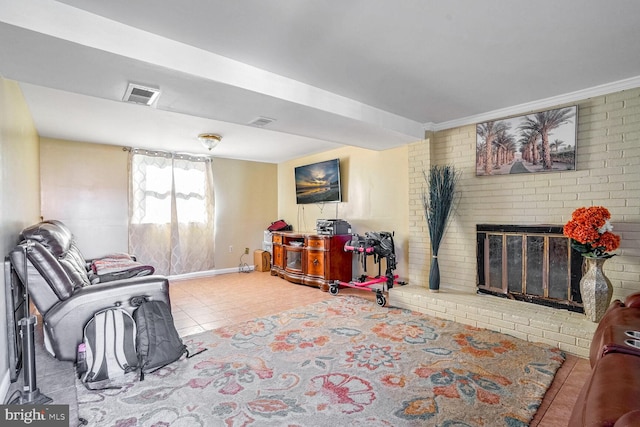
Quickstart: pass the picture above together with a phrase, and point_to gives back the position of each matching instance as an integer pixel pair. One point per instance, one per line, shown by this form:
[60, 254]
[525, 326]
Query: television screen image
[318, 182]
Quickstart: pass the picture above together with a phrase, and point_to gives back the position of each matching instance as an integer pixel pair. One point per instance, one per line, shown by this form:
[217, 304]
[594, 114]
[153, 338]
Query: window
[153, 196]
[171, 211]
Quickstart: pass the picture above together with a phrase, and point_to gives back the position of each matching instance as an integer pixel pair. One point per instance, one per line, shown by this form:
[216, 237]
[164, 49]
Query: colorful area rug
[345, 361]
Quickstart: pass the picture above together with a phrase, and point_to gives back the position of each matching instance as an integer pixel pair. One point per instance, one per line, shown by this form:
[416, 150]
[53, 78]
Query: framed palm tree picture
[538, 142]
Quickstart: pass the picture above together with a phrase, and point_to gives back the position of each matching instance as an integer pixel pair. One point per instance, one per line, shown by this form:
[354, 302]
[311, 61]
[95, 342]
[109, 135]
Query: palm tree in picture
[528, 143]
[480, 147]
[543, 123]
[556, 144]
[489, 131]
[506, 147]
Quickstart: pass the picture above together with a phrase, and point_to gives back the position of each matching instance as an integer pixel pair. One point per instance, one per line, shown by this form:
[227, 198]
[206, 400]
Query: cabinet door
[338, 265]
[315, 263]
[293, 259]
[278, 256]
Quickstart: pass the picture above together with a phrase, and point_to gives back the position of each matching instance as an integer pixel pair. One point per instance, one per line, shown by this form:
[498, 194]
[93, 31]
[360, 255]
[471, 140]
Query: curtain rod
[169, 154]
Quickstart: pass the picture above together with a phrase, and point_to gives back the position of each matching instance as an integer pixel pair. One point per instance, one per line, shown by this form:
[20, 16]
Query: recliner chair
[60, 287]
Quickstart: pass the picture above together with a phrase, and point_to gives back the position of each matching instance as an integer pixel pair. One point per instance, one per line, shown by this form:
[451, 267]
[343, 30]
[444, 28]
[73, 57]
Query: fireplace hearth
[532, 263]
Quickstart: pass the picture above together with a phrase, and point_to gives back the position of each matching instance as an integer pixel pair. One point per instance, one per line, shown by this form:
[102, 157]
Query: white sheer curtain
[171, 211]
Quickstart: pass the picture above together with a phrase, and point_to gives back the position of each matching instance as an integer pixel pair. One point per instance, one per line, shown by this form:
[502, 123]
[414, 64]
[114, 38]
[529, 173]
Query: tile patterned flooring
[212, 302]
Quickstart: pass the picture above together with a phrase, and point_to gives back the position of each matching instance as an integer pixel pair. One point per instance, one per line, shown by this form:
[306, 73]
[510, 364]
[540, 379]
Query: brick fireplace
[532, 263]
[606, 174]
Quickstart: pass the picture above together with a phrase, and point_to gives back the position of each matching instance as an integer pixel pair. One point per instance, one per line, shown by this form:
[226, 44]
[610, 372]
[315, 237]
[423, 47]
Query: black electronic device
[16, 310]
[332, 227]
[30, 393]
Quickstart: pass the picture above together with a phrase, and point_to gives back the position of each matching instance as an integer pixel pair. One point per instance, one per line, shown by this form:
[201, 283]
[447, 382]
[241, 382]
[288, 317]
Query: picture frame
[318, 182]
[539, 142]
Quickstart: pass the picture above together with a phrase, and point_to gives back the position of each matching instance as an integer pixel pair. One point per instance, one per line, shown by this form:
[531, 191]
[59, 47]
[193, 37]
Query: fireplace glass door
[530, 263]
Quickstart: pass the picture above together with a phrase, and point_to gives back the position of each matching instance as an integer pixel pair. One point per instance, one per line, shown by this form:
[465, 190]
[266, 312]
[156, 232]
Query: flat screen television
[318, 182]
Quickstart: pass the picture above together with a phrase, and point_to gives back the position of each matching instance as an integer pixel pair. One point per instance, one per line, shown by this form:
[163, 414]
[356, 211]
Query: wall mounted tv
[318, 182]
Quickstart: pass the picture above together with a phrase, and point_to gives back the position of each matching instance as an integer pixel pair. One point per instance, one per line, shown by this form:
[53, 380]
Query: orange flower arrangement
[590, 232]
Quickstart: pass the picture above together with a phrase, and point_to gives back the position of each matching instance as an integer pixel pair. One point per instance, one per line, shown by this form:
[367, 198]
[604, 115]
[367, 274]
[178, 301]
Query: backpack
[109, 344]
[157, 340]
[279, 225]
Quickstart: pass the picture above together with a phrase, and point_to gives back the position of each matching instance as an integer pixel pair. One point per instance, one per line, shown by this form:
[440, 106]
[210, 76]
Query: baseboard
[208, 273]
[4, 385]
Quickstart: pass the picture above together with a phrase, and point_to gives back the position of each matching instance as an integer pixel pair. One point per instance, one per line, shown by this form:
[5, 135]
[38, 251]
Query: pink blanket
[119, 266]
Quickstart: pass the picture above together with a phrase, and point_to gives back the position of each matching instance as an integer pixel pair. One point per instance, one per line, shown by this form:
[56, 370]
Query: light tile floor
[212, 302]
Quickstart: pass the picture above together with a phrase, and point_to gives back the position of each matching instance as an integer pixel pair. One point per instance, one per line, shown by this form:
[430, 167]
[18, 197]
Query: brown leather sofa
[611, 394]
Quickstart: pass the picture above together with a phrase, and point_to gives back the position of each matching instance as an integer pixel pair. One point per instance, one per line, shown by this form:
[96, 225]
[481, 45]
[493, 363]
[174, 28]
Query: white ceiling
[367, 73]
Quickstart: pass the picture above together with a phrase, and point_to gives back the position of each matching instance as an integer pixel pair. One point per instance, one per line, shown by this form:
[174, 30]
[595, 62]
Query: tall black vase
[434, 275]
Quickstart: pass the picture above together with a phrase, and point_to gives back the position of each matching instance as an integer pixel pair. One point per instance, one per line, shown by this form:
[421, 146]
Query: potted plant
[438, 202]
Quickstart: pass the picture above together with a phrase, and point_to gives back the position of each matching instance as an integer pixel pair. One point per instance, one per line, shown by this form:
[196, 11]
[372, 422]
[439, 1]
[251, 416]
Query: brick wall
[419, 250]
[607, 173]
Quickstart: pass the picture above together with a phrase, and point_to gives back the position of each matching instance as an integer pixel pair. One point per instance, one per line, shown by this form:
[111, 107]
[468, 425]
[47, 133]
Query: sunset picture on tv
[318, 182]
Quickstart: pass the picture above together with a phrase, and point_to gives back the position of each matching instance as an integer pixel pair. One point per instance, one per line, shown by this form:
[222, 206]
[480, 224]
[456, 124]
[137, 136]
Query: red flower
[589, 230]
[609, 240]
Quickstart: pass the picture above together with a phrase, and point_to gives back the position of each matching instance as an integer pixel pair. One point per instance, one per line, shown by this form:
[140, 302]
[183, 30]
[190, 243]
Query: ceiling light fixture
[209, 140]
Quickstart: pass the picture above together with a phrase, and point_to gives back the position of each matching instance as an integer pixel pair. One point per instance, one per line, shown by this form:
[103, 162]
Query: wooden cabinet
[278, 252]
[311, 259]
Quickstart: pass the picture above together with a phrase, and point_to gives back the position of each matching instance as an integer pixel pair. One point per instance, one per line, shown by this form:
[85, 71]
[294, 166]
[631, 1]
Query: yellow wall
[85, 186]
[246, 203]
[375, 196]
[19, 188]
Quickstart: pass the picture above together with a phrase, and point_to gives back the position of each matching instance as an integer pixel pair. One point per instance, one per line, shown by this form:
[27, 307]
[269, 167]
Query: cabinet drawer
[277, 238]
[315, 242]
[315, 263]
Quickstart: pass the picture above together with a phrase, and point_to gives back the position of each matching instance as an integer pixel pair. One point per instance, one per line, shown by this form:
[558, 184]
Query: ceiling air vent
[140, 94]
[261, 122]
